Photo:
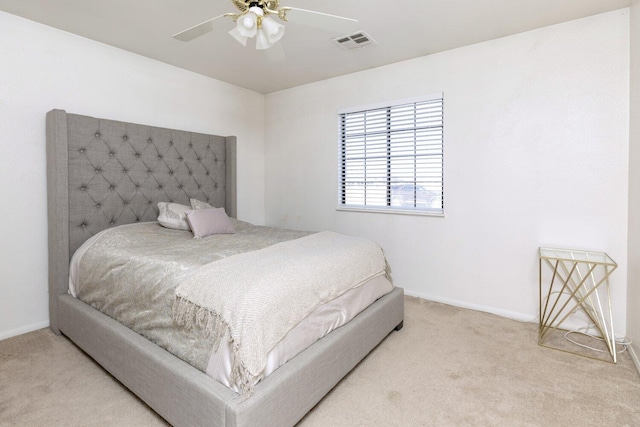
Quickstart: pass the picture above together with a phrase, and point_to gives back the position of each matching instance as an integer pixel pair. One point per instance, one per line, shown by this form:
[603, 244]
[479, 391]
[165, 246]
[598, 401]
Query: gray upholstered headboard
[102, 173]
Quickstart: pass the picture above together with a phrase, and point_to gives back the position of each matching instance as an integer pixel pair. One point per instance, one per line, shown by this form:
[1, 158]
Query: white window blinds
[392, 157]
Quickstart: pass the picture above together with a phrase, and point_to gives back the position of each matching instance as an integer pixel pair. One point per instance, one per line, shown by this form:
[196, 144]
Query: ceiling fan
[254, 19]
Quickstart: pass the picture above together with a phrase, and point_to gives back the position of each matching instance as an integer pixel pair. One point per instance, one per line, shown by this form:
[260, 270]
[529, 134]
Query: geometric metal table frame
[579, 280]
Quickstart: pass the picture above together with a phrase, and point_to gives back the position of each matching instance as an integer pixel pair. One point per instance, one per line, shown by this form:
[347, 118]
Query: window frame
[388, 209]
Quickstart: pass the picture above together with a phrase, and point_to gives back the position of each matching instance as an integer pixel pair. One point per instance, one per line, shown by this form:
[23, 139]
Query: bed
[104, 173]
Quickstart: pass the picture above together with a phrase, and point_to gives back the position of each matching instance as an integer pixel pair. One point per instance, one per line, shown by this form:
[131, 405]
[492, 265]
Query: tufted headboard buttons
[118, 172]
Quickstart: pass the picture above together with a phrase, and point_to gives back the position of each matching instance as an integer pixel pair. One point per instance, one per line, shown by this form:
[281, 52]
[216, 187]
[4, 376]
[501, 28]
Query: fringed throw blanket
[257, 297]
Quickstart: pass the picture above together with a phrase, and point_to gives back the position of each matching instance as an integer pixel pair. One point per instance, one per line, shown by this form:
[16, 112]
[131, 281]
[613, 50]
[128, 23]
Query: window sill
[391, 211]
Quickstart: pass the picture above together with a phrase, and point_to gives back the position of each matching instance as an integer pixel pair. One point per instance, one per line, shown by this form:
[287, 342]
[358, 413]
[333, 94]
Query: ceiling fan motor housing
[244, 5]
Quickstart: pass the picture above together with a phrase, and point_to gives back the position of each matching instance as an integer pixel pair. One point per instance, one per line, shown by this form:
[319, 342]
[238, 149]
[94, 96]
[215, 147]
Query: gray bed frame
[102, 173]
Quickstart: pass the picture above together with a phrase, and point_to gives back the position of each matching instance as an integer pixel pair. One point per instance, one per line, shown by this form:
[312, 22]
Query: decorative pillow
[199, 204]
[208, 221]
[172, 215]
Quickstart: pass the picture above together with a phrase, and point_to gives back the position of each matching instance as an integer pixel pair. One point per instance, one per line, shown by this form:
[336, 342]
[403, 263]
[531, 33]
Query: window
[391, 157]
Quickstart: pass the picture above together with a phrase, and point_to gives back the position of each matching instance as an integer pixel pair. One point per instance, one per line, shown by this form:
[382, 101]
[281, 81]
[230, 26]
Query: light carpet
[447, 367]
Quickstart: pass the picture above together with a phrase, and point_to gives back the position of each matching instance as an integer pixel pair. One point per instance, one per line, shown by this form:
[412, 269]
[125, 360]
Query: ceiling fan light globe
[262, 41]
[247, 30]
[239, 37]
[248, 22]
[273, 29]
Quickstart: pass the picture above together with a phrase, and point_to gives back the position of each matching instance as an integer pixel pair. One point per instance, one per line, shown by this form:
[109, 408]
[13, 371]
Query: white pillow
[199, 204]
[172, 215]
[205, 222]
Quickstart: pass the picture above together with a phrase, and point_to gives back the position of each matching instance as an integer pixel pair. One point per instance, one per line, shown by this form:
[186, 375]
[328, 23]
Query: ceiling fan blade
[197, 30]
[338, 24]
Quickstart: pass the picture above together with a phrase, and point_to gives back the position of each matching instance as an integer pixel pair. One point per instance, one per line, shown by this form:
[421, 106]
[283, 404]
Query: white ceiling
[402, 29]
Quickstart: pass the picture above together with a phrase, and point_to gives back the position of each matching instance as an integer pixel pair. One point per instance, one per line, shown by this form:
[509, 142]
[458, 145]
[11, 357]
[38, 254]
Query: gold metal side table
[576, 279]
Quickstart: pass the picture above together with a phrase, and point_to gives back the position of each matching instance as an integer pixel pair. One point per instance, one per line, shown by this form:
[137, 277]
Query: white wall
[536, 146]
[537, 131]
[633, 296]
[42, 68]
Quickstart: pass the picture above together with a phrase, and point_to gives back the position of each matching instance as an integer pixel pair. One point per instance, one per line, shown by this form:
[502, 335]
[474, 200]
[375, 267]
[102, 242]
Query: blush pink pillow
[205, 222]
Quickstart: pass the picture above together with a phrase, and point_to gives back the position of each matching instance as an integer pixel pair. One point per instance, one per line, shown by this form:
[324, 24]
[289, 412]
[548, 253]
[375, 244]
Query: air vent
[355, 40]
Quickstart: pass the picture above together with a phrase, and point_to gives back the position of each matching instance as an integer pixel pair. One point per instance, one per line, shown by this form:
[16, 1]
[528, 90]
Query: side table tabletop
[575, 283]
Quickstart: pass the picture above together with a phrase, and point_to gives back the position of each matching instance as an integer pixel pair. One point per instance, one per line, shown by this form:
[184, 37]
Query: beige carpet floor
[447, 367]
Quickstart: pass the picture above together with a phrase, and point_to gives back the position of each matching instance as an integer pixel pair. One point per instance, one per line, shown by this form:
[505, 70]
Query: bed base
[185, 396]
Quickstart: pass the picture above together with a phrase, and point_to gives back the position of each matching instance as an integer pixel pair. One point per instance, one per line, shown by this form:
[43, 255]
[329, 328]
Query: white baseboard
[569, 324]
[462, 304]
[634, 355]
[15, 332]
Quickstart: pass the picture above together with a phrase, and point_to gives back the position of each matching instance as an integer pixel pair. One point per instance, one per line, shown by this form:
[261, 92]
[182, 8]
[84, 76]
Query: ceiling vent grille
[355, 40]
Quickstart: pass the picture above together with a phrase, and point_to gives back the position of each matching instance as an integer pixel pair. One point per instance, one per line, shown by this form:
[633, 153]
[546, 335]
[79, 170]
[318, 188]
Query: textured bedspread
[141, 297]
